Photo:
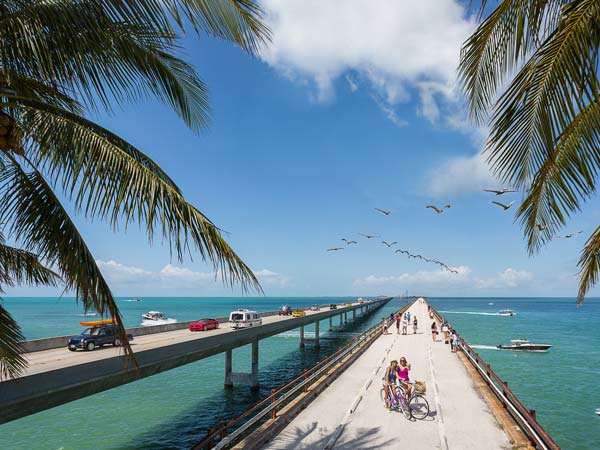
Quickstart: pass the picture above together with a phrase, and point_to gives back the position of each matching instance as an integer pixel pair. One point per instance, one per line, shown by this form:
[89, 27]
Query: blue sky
[306, 140]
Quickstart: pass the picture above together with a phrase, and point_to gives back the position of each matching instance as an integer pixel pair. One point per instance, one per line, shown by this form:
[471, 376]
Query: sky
[348, 109]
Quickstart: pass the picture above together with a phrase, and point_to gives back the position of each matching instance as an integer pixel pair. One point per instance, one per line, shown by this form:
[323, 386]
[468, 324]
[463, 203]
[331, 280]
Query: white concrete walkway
[459, 418]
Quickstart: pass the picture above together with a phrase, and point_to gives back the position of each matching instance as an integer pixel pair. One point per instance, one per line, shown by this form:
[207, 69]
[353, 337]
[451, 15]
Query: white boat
[506, 312]
[134, 300]
[154, 315]
[525, 345]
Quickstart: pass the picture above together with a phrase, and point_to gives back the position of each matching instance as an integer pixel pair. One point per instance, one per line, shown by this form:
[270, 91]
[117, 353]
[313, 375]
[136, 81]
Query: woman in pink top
[403, 378]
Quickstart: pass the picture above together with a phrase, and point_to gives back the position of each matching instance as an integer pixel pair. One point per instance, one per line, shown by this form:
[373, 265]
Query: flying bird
[335, 249]
[383, 211]
[451, 270]
[369, 236]
[541, 227]
[503, 205]
[570, 235]
[389, 244]
[402, 251]
[438, 210]
[499, 192]
[348, 242]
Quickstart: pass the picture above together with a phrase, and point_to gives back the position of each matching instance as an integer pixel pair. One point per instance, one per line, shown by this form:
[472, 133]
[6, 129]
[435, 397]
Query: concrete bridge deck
[58, 376]
[459, 417]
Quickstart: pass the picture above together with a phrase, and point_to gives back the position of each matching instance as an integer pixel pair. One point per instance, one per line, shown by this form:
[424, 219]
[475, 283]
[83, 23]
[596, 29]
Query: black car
[333, 306]
[94, 337]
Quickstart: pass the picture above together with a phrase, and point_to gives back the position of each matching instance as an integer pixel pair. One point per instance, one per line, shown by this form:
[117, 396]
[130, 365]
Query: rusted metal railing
[220, 437]
[525, 418]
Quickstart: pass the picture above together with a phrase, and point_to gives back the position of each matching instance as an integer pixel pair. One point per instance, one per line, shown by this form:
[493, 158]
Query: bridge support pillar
[251, 378]
[317, 343]
[302, 337]
[346, 317]
[353, 315]
[331, 324]
[341, 320]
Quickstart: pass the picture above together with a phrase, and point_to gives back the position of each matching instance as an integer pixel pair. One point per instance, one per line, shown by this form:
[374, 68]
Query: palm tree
[59, 61]
[530, 70]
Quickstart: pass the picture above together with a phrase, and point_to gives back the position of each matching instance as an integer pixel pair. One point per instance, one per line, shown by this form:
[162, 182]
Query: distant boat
[506, 312]
[134, 300]
[524, 345]
[154, 315]
[598, 411]
[491, 304]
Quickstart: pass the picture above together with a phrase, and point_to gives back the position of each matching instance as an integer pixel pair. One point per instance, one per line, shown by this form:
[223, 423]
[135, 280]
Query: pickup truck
[97, 336]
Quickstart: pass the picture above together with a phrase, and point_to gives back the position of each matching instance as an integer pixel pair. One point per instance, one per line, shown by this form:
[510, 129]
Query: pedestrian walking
[454, 341]
[397, 323]
[434, 331]
[415, 325]
[404, 325]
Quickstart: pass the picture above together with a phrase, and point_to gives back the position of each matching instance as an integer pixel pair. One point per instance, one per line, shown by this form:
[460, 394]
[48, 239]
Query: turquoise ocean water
[173, 410]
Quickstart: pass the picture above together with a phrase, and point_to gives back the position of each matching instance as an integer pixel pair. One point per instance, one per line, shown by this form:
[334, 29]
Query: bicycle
[416, 407]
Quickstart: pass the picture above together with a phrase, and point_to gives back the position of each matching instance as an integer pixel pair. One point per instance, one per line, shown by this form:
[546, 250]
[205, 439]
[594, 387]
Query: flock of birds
[438, 210]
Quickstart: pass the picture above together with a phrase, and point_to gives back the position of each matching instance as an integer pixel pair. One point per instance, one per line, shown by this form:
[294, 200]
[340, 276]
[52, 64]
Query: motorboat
[506, 312]
[154, 315]
[134, 300]
[524, 345]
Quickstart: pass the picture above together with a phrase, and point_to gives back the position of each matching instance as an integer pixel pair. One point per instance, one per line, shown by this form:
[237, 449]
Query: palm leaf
[589, 265]
[495, 49]
[109, 178]
[40, 223]
[566, 178]
[12, 362]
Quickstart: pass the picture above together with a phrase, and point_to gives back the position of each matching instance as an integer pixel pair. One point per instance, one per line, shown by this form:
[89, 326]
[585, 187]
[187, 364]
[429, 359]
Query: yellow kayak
[94, 323]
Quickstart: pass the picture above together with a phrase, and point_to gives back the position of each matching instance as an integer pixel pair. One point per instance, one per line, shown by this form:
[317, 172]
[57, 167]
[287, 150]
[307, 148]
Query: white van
[244, 318]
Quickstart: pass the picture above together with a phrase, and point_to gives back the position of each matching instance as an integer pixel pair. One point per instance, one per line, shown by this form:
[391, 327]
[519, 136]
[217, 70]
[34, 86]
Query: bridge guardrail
[525, 418]
[219, 438]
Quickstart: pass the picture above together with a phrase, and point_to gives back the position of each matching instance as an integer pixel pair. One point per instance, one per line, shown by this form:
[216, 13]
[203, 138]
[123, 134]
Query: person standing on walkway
[408, 316]
[415, 325]
[434, 330]
[454, 341]
[404, 325]
[397, 323]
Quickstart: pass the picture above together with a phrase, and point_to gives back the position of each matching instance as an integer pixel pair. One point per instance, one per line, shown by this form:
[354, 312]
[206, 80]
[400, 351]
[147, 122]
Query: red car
[204, 324]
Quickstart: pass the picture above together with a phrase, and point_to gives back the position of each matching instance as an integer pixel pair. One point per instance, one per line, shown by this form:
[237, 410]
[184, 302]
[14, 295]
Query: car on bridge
[96, 336]
[315, 308]
[204, 324]
[333, 306]
[285, 311]
[298, 313]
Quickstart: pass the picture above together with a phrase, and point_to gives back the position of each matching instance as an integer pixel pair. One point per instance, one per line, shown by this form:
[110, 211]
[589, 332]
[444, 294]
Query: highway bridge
[56, 376]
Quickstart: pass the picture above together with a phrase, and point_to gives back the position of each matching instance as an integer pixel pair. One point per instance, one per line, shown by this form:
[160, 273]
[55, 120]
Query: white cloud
[459, 175]
[448, 282]
[269, 278]
[395, 45]
[116, 272]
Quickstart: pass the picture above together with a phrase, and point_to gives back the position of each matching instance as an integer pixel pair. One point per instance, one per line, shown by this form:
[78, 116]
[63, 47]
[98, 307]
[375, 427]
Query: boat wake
[88, 314]
[484, 347]
[470, 312]
[149, 323]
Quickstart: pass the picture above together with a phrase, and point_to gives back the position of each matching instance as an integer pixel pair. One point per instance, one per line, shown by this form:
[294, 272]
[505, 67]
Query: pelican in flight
[389, 244]
[335, 249]
[438, 210]
[451, 270]
[348, 242]
[383, 211]
[499, 192]
[402, 251]
[570, 235]
[503, 205]
[369, 236]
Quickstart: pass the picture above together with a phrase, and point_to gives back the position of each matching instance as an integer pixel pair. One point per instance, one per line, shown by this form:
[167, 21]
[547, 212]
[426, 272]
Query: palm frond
[566, 178]
[111, 179]
[498, 45]
[544, 97]
[589, 265]
[12, 362]
[21, 267]
[38, 220]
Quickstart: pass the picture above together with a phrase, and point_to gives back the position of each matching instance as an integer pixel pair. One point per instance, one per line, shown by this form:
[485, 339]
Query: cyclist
[391, 374]
[403, 378]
